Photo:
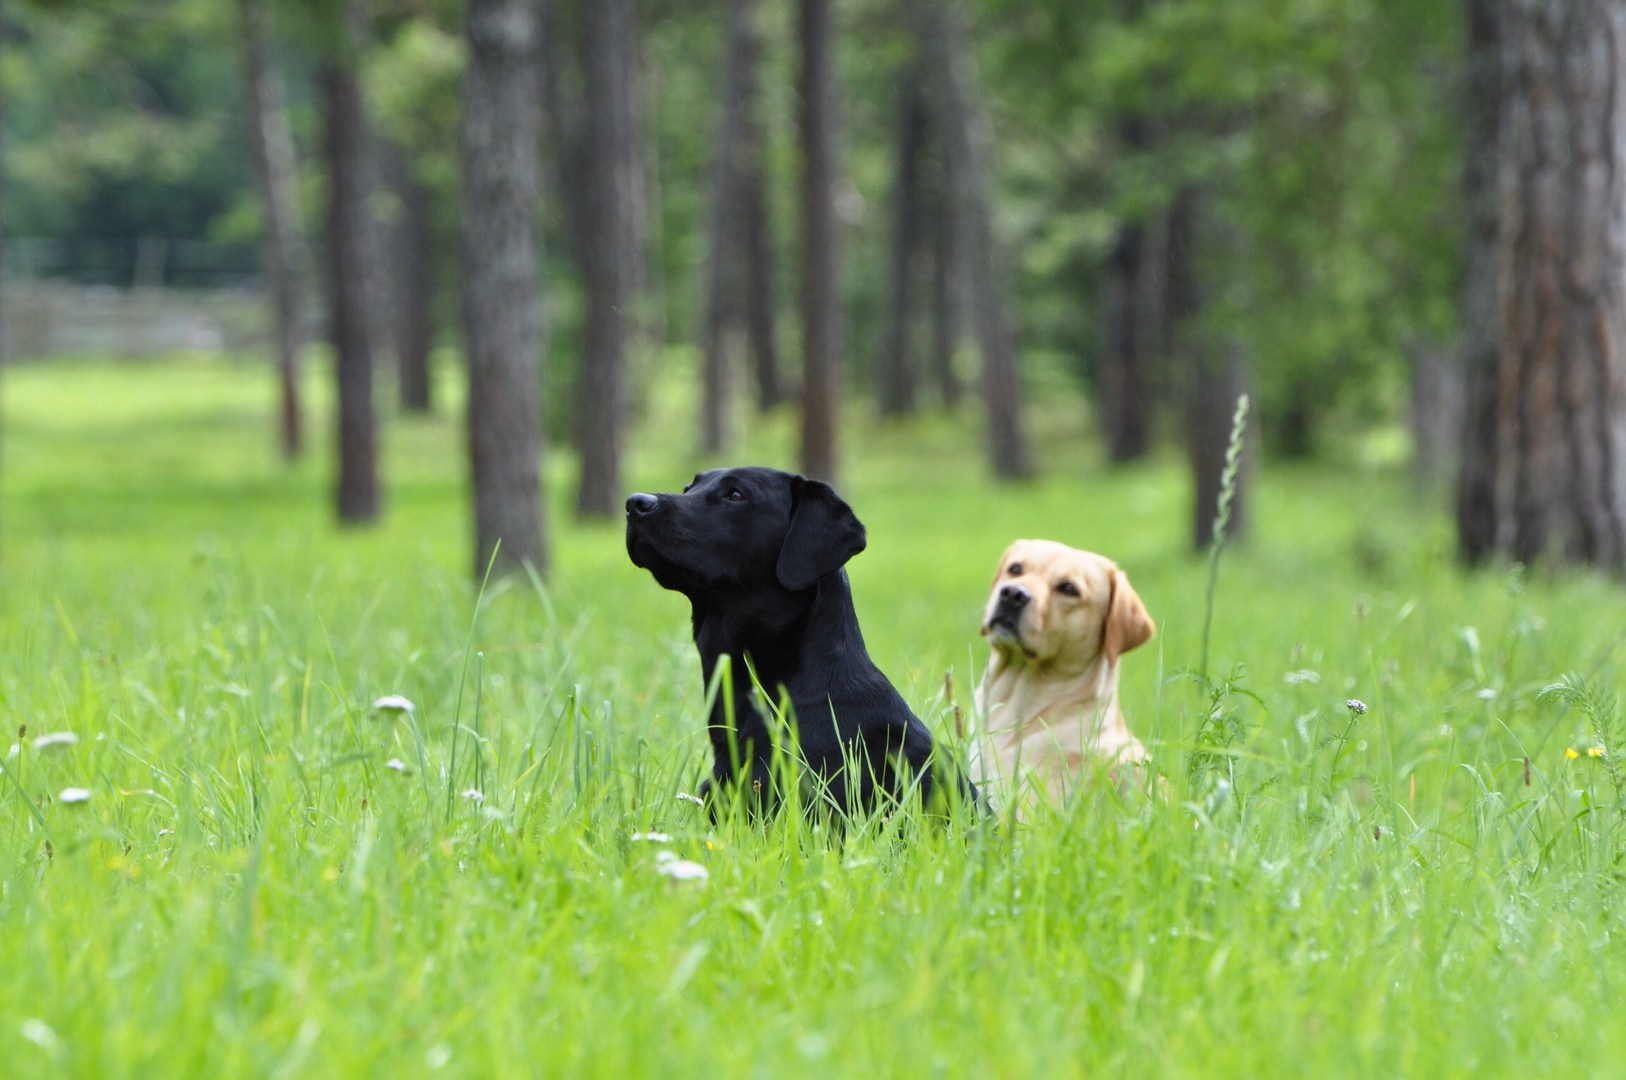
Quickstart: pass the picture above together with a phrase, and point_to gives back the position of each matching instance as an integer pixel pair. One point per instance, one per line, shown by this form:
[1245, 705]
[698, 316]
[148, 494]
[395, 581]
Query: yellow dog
[1058, 620]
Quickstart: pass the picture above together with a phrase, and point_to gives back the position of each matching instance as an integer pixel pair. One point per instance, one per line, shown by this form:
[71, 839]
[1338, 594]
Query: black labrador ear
[824, 534]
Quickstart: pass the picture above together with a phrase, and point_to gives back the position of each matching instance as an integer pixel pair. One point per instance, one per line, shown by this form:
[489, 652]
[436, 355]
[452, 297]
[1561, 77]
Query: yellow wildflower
[1571, 753]
[1594, 751]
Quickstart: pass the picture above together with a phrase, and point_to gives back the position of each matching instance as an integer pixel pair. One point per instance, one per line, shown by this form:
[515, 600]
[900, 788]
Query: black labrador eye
[1067, 588]
[1016, 569]
[734, 495]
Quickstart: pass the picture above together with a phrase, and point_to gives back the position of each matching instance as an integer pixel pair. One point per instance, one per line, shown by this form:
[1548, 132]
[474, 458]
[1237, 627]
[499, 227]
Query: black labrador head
[749, 530]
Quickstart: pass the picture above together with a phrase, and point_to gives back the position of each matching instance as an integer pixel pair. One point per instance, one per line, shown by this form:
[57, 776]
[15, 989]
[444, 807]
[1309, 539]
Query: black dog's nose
[1014, 596]
[640, 504]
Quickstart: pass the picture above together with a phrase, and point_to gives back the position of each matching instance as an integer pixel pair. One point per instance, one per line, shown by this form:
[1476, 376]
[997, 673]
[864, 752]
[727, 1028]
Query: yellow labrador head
[1063, 607]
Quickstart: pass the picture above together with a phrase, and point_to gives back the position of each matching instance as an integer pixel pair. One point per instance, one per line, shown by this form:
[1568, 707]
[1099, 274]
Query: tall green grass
[1431, 887]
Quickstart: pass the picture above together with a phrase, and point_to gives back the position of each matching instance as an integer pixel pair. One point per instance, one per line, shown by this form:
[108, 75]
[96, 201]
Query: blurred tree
[612, 249]
[1546, 440]
[350, 259]
[725, 264]
[898, 369]
[501, 97]
[412, 305]
[947, 277]
[1124, 386]
[272, 139]
[966, 137]
[821, 301]
[1216, 370]
[413, 80]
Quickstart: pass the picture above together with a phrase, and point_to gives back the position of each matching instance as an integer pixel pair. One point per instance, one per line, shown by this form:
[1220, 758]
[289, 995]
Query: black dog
[759, 553]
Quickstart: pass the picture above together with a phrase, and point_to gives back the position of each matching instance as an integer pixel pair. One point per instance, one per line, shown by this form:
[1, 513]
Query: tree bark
[1217, 374]
[761, 302]
[501, 301]
[350, 267]
[821, 304]
[610, 252]
[965, 136]
[1125, 398]
[947, 281]
[272, 139]
[1482, 106]
[725, 239]
[1125, 419]
[898, 378]
[751, 156]
[1551, 415]
[415, 294]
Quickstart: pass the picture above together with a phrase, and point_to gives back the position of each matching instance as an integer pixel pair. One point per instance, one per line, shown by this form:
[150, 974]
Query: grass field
[1431, 889]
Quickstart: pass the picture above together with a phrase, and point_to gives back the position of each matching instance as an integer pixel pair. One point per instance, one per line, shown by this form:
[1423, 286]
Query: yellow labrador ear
[1128, 624]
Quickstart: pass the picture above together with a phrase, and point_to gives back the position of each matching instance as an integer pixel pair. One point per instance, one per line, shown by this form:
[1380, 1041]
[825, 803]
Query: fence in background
[132, 298]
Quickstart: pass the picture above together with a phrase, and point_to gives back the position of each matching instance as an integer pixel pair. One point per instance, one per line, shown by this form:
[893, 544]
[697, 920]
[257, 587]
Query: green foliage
[265, 879]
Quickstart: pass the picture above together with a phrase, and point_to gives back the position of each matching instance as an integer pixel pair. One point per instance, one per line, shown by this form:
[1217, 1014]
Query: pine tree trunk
[278, 173]
[415, 294]
[751, 155]
[1216, 374]
[501, 301]
[1124, 388]
[958, 108]
[610, 253]
[1125, 420]
[821, 305]
[1554, 427]
[725, 240]
[761, 303]
[898, 378]
[1482, 101]
[947, 281]
[350, 266]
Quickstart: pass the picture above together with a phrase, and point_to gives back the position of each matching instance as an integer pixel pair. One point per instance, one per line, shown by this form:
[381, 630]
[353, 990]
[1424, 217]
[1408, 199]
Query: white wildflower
[473, 795]
[1356, 706]
[73, 795]
[39, 1033]
[56, 740]
[397, 764]
[684, 796]
[651, 837]
[669, 865]
[394, 703]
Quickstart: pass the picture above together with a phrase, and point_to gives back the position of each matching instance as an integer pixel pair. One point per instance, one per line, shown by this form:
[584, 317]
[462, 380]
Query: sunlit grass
[270, 875]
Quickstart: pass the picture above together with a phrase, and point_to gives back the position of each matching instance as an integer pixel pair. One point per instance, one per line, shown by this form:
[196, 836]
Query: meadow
[270, 878]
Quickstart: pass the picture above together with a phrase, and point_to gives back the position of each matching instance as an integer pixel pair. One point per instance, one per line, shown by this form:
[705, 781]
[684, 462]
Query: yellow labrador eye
[1067, 588]
[1016, 569]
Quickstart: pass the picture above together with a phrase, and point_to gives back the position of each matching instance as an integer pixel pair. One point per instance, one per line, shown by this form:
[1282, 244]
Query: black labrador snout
[760, 554]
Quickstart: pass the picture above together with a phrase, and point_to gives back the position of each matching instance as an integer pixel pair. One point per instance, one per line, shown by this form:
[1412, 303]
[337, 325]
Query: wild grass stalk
[1222, 521]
